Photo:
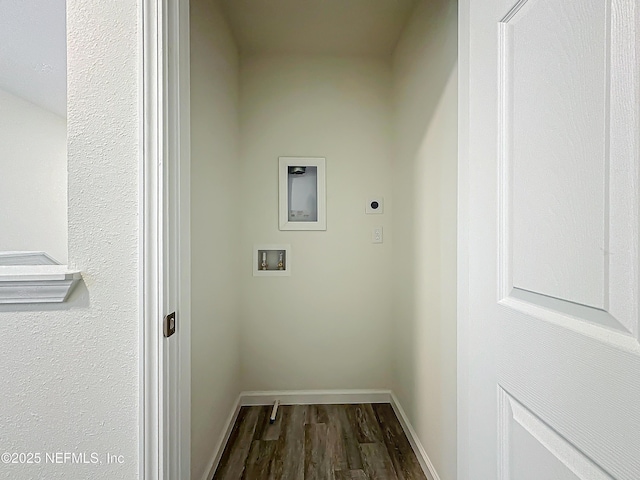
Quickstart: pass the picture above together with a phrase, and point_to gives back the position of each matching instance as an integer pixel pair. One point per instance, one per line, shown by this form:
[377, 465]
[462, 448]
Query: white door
[549, 182]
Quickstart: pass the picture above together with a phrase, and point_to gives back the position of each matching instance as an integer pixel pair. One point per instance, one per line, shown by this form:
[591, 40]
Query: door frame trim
[164, 103]
[463, 314]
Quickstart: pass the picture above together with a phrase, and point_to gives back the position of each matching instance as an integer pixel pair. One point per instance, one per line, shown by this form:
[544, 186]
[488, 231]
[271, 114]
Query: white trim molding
[322, 397]
[464, 338]
[36, 283]
[222, 442]
[315, 397]
[26, 258]
[165, 385]
[34, 277]
[425, 462]
[151, 246]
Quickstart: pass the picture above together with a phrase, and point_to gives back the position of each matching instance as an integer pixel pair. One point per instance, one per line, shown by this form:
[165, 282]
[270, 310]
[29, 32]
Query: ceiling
[33, 52]
[33, 36]
[338, 27]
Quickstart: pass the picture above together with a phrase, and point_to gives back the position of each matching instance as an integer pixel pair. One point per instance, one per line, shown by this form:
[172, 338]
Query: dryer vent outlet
[375, 206]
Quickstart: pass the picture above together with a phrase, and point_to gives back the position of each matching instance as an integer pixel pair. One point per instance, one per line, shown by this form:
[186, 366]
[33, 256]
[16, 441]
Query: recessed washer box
[272, 260]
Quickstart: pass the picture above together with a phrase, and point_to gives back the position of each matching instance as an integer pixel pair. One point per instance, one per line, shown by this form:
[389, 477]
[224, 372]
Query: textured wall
[70, 373]
[328, 324]
[425, 193]
[33, 184]
[215, 229]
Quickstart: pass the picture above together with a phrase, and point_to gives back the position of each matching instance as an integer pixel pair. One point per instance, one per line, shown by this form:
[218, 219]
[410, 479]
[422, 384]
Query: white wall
[33, 183]
[328, 325]
[215, 227]
[424, 189]
[70, 381]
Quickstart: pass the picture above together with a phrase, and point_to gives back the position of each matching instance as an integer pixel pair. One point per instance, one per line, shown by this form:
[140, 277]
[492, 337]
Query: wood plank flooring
[319, 442]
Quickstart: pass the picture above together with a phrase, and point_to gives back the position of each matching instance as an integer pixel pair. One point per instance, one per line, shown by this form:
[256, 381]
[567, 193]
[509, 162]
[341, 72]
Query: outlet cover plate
[376, 235]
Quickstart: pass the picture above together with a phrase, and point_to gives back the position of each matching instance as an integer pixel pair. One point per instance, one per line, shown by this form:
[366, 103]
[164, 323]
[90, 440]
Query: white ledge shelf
[36, 283]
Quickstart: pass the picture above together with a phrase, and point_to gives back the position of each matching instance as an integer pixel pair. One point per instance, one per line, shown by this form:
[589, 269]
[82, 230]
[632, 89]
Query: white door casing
[549, 353]
[165, 248]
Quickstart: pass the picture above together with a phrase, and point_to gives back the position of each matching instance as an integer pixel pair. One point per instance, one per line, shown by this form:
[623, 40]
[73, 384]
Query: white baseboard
[324, 397]
[224, 438]
[315, 397]
[425, 462]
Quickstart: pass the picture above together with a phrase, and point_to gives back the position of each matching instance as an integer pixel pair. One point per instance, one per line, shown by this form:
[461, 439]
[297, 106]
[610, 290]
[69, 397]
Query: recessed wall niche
[33, 153]
[302, 193]
[33, 128]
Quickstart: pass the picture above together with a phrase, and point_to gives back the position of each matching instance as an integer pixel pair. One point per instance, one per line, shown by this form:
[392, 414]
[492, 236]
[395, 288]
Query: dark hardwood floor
[319, 442]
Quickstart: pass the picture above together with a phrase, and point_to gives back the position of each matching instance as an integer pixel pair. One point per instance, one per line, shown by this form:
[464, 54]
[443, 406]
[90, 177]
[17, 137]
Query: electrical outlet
[377, 235]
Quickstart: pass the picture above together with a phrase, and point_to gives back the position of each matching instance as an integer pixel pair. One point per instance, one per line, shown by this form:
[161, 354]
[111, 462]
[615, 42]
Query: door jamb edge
[463, 314]
[164, 125]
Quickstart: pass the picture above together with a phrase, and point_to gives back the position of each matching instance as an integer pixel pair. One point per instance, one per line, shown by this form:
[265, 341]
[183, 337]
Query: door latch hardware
[169, 326]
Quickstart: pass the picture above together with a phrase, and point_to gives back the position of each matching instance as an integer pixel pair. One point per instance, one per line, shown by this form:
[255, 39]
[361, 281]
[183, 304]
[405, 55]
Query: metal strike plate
[170, 324]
